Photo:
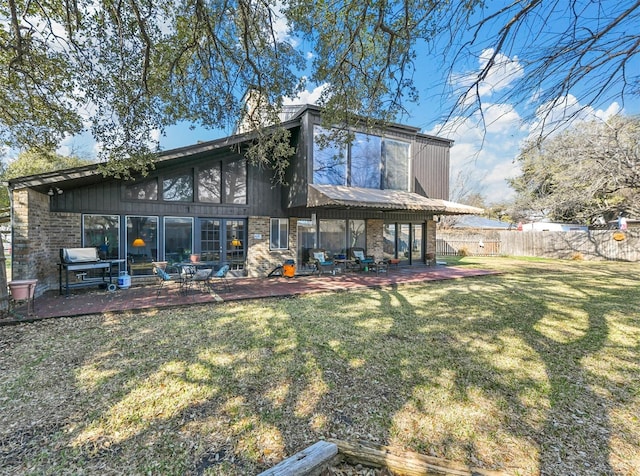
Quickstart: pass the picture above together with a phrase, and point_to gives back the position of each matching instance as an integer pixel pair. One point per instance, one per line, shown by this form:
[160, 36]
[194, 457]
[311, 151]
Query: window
[365, 161]
[235, 182]
[209, 184]
[329, 159]
[147, 190]
[279, 234]
[357, 234]
[333, 236]
[142, 242]
[102, 232]
[395, 156]
[178, 239]
[178, 188]
[370, 161]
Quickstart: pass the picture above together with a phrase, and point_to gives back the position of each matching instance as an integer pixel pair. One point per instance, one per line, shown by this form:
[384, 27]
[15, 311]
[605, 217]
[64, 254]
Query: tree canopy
[125, 69]
[583, 174]
[31, 162]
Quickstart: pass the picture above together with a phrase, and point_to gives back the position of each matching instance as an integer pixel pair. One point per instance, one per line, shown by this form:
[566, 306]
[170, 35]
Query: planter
[195, 258]
[23, 290]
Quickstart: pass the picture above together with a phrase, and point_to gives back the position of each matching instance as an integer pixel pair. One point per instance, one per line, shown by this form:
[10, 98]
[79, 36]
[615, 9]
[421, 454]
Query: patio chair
[318, 258]
[187, 273]
[201, 278]
[362, 259]
[164, 278]
[219, 276]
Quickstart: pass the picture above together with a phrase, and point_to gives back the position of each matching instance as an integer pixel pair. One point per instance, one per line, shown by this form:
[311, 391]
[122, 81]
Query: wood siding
[107, 196]
[431, 168]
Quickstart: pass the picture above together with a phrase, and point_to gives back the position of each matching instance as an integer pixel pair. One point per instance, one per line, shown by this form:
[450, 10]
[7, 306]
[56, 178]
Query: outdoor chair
[219, 276]
[164, 278]
[201, 278]
[186, 277]
[318, 258]
[363, 260]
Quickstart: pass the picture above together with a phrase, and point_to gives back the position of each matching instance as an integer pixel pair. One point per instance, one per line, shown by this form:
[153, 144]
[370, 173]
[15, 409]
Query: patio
[145, 297]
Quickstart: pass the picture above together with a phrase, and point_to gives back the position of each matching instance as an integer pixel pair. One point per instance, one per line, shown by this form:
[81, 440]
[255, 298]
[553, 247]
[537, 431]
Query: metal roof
[339, 196]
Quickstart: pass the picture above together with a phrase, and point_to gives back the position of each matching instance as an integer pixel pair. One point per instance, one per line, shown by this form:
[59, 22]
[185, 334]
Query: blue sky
[484, 155]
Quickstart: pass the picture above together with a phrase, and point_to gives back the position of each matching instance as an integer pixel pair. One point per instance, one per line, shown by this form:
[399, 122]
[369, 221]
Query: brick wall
[260, 259]
[375, 229]
[38, 236]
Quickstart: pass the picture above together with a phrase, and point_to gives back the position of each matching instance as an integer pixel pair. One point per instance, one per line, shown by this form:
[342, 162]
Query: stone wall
[260, 259]
[375, 230]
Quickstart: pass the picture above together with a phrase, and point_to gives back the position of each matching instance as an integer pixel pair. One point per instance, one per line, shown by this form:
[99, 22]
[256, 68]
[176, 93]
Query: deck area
[144, 297]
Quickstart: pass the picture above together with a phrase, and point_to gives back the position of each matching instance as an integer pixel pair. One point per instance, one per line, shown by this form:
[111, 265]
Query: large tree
[582, 174]
[126, 68]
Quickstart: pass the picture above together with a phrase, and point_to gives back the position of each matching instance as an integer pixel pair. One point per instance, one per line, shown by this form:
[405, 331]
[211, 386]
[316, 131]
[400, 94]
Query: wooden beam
[405, 463]
[306, 462]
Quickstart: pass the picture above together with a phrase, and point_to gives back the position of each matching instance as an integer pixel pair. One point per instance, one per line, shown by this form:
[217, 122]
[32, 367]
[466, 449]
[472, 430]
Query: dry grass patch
[533, 371]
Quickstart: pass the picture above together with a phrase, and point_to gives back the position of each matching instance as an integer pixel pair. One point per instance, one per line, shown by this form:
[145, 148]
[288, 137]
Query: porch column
[375, 233]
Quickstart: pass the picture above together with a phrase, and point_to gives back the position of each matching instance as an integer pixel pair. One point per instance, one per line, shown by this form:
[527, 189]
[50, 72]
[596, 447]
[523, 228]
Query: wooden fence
[588, 245]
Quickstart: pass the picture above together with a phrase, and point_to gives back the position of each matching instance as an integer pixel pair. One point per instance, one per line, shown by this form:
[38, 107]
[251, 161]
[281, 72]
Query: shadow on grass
[481, 370]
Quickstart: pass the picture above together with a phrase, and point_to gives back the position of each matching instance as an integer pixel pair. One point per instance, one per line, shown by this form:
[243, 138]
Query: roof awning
[338, 196]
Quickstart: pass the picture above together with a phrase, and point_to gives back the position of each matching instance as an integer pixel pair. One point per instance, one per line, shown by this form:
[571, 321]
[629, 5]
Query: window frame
[280, 221]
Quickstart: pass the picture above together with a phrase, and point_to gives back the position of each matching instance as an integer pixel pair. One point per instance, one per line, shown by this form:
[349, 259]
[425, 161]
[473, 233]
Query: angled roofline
[83, 171]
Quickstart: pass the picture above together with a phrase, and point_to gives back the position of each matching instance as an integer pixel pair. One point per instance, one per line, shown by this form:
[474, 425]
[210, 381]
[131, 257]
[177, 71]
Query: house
[380, 193]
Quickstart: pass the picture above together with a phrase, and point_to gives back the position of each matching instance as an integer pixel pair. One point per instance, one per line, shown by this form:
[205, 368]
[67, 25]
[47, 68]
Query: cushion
[319, 255]
[326, 263]
[202, 274]
[359, 254]
[163, 274]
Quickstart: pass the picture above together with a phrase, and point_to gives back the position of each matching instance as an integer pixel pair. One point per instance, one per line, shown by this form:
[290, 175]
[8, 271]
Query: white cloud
[562, 113]
[500, 75]
[306, 97]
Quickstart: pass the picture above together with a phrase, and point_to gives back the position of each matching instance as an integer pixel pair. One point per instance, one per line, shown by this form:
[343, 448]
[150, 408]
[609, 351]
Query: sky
[484, 154]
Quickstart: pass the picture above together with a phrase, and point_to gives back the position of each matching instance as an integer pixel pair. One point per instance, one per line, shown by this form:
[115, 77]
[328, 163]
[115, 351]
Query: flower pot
[195, 258]
[23, 290]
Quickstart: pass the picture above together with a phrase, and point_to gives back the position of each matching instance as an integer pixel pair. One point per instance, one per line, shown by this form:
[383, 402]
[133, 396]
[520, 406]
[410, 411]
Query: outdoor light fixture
[51, 191]
[138, 242]
[236, 242]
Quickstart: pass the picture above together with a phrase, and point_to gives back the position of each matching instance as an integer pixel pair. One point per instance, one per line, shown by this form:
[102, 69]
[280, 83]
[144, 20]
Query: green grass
[536, 370]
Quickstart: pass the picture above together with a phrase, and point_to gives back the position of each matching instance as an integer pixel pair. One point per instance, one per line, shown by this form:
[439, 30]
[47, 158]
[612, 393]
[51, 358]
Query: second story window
[218, 182]
[370, 161]
[178, 187]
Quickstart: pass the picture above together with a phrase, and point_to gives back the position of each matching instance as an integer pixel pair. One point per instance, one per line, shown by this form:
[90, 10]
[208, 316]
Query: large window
[102, 232]
[389, 240]
[279, 239]
[209, 180]
[147, 190]
[235, 182]
[370, 161]
[395, 158]
[329, 159]
[332, 236]
[218, 182]
[178, 188]
[365, 161]
[178, 239]
[357, 234]
[142, 239]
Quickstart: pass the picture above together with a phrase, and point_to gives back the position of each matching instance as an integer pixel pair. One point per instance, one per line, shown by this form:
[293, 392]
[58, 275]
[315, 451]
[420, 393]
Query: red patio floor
[86, 302]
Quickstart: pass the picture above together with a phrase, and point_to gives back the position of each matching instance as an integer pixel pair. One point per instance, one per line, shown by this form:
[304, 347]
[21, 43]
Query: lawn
[533, 371]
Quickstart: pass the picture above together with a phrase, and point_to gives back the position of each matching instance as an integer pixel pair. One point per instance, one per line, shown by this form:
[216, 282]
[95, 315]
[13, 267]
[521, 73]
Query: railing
[466, 247]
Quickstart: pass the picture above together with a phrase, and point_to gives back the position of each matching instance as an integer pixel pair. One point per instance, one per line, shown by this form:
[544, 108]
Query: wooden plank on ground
[405, 463]
[305, 462]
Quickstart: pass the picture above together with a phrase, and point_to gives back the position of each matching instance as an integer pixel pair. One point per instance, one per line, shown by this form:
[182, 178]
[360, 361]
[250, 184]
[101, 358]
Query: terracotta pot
[195, 258]
[23, 289]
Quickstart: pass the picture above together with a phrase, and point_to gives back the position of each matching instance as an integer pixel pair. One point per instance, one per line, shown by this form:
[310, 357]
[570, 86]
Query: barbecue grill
[82, 261]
